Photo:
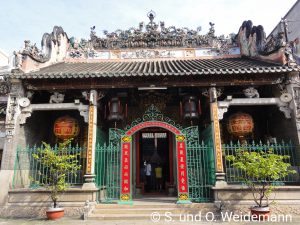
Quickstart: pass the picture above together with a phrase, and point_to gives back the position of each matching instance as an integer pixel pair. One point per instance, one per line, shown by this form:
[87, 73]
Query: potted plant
[260, 171]
[58, 164]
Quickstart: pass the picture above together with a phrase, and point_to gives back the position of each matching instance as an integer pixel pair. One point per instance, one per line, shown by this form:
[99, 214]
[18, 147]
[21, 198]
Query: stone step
[148, 211]
[154, 205]
[143, 211]
[147, 217]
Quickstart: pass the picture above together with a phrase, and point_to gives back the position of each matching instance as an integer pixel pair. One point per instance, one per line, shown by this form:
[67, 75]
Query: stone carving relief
[53, 49]
[251, 92]
[57, 98]
[5, 85]
[81, 49]
[43, 55]
[87, 96]
[252, 40]
[224, 105]
[218, 92]
[29, 95]
[297, 103]
[12, 108]
[146, 54]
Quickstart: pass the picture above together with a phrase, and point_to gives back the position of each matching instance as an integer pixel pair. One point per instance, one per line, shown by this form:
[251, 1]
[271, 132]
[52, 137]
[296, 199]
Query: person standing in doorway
[148, 171]
[158, 177]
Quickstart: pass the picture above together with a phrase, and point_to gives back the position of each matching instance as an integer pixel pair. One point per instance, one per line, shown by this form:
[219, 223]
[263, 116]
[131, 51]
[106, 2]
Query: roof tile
[173, 67]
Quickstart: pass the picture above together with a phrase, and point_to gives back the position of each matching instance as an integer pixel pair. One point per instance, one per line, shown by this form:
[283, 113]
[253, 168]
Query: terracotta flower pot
[260, 213]
[55, 213]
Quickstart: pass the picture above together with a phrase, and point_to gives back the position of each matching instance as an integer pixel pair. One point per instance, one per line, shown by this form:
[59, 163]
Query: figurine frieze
[154, 35]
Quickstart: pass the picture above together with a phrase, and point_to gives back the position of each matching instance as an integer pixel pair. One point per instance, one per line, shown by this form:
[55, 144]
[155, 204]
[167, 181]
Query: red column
[170, 135]
[137, 149]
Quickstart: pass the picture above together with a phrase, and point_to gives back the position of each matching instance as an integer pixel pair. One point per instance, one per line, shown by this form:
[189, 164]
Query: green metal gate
[107, 167]
[200, 164]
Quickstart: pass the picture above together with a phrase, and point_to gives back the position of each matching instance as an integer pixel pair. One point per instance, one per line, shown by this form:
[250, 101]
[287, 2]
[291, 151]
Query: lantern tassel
[199, 107]
[180, 110]
[190, 108]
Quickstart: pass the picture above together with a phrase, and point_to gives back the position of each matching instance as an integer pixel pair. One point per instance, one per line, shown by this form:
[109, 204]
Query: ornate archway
[194, 160]
[153, 118]
[126, 165]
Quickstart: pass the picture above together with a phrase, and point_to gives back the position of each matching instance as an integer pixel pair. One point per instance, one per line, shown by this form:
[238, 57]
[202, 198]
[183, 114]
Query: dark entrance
[154, 149]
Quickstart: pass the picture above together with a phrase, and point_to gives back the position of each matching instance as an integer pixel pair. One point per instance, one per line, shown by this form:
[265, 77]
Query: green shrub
[259, 172]
[59, 165]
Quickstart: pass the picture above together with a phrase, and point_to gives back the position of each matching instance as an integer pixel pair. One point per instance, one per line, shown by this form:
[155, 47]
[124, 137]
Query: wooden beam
[135, 82]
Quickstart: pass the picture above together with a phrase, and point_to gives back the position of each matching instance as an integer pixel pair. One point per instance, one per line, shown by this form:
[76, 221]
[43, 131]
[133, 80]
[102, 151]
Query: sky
[29, 19]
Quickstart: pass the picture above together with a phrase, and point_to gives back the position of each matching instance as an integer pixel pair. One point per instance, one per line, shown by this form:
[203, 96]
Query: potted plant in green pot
[58, 164]
[260, 171]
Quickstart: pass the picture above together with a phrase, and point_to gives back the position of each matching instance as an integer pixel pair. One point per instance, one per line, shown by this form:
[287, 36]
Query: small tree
[59, 165]
[259, 171]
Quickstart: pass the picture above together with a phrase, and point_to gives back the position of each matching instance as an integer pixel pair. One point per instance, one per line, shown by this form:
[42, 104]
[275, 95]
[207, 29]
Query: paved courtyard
[72, 221]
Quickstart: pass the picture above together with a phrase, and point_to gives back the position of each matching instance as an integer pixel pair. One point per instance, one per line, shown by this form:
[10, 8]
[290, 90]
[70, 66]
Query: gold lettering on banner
[217, 137]
[90, 140]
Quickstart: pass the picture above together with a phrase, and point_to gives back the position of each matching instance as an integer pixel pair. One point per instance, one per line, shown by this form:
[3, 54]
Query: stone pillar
[12, 140]
[220, 175]
[91, 145]
[293, 88]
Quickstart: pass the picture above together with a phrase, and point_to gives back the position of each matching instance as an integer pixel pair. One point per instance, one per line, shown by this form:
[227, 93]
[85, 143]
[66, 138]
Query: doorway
[154, 161]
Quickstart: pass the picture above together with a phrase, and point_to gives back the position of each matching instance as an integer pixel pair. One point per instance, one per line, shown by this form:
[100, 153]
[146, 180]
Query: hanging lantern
[115, 110]
[190, 108]
[240, 125]
[66, 127]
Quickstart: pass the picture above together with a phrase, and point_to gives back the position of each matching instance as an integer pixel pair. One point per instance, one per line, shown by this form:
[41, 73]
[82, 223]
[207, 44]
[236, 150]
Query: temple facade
[172, 98]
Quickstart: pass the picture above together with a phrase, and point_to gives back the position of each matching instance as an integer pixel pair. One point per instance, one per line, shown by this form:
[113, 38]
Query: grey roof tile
[174, 67]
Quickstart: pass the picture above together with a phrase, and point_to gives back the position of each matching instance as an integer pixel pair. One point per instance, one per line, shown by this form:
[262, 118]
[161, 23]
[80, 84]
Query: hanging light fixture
[115, 110]
[190, 109]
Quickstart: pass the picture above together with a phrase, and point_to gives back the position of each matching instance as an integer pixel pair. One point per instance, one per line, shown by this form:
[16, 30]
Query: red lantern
[66, 127]
[240, 125]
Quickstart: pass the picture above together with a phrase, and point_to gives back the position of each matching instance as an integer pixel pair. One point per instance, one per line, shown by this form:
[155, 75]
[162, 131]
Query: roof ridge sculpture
[253, 43]
[154, 35]
[43, 55]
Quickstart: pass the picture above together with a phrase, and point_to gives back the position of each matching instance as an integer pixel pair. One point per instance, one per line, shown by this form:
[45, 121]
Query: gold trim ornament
[126, 139]
[180, 137]
[183, 196]
[125, 197]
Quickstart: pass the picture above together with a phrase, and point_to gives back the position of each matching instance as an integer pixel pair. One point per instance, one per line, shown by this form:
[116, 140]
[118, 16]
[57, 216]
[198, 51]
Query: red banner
[181, 164]
[125, 183]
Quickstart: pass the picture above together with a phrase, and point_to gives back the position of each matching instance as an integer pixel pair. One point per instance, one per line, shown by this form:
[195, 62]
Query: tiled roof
[156, 68]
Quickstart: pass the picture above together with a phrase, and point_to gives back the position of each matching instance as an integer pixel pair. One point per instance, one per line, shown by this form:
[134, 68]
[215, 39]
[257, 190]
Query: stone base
[238, 199]
[28, 203]
[38, 211]
[89, 186]
[239, 193]
[30, 196]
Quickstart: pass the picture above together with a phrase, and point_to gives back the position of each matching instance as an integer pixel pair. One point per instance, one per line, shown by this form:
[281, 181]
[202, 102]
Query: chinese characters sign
[125, 170]
[217, 138]
[181, 168]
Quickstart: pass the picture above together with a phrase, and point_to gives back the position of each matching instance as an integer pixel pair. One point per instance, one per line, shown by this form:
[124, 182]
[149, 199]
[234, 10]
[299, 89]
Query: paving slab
[75, 221]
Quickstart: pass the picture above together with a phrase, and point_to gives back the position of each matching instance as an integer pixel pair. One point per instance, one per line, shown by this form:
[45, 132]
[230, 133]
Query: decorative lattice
[153, 114]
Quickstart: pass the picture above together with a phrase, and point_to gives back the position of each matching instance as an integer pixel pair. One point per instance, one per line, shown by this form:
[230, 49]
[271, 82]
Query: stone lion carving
[251, 92]
[57, 98]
